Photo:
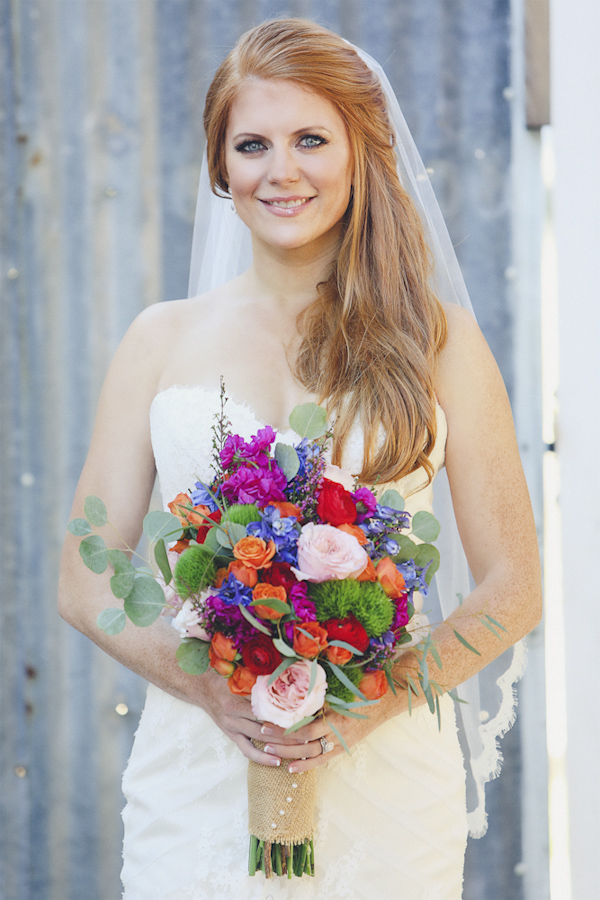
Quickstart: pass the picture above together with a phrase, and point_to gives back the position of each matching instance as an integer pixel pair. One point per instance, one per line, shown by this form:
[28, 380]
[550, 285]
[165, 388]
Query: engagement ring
[326, 746]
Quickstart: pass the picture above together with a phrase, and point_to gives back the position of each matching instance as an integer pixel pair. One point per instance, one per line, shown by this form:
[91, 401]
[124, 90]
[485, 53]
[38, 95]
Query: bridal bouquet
[293, 582]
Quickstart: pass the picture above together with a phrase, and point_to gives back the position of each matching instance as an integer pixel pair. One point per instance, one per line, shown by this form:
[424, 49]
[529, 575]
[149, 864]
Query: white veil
[221, 250]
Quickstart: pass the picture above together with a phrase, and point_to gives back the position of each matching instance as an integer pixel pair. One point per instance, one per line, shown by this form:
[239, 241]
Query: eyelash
[244, 146]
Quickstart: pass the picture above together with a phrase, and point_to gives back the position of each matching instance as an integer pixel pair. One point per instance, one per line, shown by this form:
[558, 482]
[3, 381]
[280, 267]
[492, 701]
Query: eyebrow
[250, 135]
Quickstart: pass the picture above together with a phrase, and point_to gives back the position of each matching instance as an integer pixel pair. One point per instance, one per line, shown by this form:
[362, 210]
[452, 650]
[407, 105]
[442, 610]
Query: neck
[289, 278]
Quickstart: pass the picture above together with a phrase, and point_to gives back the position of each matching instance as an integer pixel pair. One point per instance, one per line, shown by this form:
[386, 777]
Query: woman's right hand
[233, 714]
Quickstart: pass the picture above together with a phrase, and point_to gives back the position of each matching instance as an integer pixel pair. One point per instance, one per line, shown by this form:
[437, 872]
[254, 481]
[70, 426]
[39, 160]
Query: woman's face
[289, 164]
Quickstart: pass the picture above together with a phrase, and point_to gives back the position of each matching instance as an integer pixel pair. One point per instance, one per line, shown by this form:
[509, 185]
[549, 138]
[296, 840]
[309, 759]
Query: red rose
[204, 529]
[335, 504]
[348, 630]
[280, 574]
[260, 655]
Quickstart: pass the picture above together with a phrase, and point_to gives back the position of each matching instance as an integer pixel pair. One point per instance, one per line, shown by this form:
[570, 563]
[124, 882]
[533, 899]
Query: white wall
[575, 55]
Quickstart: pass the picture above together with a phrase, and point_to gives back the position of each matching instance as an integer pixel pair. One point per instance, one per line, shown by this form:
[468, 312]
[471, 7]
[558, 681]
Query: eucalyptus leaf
[407, 548]
[390, 680]
[465, 642]
[162, 560]
[79, 527]
[287, 460]
[345, 646]
[426, 555]
[93, 552]
[230, 533]
[339, 736]
[192, 656]
[308, 421]
[111, 621]
[392, 499]
[211, 541]
[120, 561]
[345, 680]
[313, 675]
[144, 603]
[425, 526]
[159, 524]
[95, 511]
[344, 711]
[121, 584]
[256, 623]
[305, 721]
[495, 622]
[273, 603]
[283, 648]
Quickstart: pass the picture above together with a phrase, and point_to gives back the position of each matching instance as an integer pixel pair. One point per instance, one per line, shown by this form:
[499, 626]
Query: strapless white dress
[391, 819]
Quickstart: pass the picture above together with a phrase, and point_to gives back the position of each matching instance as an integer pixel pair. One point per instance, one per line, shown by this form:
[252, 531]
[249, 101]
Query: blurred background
[100, 147]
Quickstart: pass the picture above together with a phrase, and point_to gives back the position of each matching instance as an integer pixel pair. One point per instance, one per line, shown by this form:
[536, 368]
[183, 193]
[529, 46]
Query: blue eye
[250, 147]
[312, 140]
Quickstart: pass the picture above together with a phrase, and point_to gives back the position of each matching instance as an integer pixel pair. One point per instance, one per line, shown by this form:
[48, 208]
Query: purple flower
[255, 485]
[366, 503]
[232, 447]
[304, 608]
[256, 450]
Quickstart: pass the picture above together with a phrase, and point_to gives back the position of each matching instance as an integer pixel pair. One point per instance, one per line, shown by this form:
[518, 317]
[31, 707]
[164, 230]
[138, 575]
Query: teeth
[288, 204]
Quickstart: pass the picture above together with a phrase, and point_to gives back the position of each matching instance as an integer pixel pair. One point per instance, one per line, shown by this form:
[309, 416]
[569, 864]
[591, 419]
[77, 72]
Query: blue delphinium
[282, 530]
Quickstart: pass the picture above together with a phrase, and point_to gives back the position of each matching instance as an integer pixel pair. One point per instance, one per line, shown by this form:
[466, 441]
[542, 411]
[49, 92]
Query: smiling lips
[286, 206]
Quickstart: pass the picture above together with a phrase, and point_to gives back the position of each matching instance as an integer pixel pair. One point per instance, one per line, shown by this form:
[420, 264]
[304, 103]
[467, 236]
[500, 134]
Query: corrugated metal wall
[100, 141]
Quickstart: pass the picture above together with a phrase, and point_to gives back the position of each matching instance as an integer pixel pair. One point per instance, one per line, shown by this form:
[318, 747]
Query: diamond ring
[326, 746]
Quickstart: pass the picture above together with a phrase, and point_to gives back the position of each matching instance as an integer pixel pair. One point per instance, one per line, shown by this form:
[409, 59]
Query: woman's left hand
[304, 746]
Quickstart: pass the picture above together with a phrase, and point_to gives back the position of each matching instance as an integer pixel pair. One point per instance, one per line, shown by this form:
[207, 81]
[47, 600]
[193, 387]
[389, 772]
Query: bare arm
[495, 521]
[120, 469]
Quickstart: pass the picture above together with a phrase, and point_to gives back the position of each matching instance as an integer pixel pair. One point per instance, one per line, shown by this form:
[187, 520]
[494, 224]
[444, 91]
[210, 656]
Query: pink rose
[287, 700]
[325, 553]
[187, 622]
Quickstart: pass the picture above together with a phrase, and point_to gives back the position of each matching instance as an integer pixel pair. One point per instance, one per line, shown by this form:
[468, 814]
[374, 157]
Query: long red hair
[370, 338]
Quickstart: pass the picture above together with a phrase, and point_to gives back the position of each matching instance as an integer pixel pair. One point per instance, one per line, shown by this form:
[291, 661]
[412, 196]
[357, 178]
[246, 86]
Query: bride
[353, 299]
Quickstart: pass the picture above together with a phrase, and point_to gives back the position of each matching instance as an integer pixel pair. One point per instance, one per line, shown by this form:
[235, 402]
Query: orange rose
[390, 579]
[368, 573]
[286, 509]
[182, 507]
[223, 647]
[373, 685]
[243, 573]
[268, 592]
[180, 546]
[339, 656]
[242, 681]
[222, 666]
[356, 531]
[220, 576]
[309, 647]
[254, 552]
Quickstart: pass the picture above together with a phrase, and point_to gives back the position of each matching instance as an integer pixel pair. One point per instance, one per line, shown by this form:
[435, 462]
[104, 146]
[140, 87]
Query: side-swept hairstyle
[370, 338]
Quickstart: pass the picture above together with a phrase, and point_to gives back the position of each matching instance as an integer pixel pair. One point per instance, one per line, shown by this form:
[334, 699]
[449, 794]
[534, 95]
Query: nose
[283, 168]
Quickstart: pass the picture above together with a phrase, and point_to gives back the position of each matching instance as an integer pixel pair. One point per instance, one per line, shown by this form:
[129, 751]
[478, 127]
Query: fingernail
[269, 749]
[276, 762]
[292, 770]
[265, 730]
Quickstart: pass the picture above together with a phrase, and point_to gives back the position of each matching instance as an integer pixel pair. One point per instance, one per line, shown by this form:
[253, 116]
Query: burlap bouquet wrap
[280, 805]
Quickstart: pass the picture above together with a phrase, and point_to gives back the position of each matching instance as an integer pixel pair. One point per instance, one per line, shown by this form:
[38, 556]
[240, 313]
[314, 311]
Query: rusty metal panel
[100, 143]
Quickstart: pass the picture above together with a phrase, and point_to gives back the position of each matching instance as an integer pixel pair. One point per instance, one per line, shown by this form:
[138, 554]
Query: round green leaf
[230, 534]
[308, 420]
[144, 603]
[392, 499]
[287, 460]
[407, 547]
[192, 656]
[159, 524]
[95, 511]
[111, 621]
[425, 526]
[122, 584]
[79, 527]
[93, 552]
[428, 555]
[120, 561]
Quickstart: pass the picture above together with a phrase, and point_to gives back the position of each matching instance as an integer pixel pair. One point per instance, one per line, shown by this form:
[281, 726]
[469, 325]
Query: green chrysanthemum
[373, 609]
[242, 514]
[334, 599]
[195, 570]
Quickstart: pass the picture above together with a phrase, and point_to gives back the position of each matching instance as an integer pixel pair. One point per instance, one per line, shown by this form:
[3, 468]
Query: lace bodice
[181, 419]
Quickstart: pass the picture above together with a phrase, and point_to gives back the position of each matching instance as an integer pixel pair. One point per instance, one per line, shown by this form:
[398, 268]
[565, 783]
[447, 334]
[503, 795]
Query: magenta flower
[366, 503]
[255, 485]
[255, 451]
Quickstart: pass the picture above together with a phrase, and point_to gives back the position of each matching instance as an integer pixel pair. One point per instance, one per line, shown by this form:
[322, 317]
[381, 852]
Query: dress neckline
[216, 392]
